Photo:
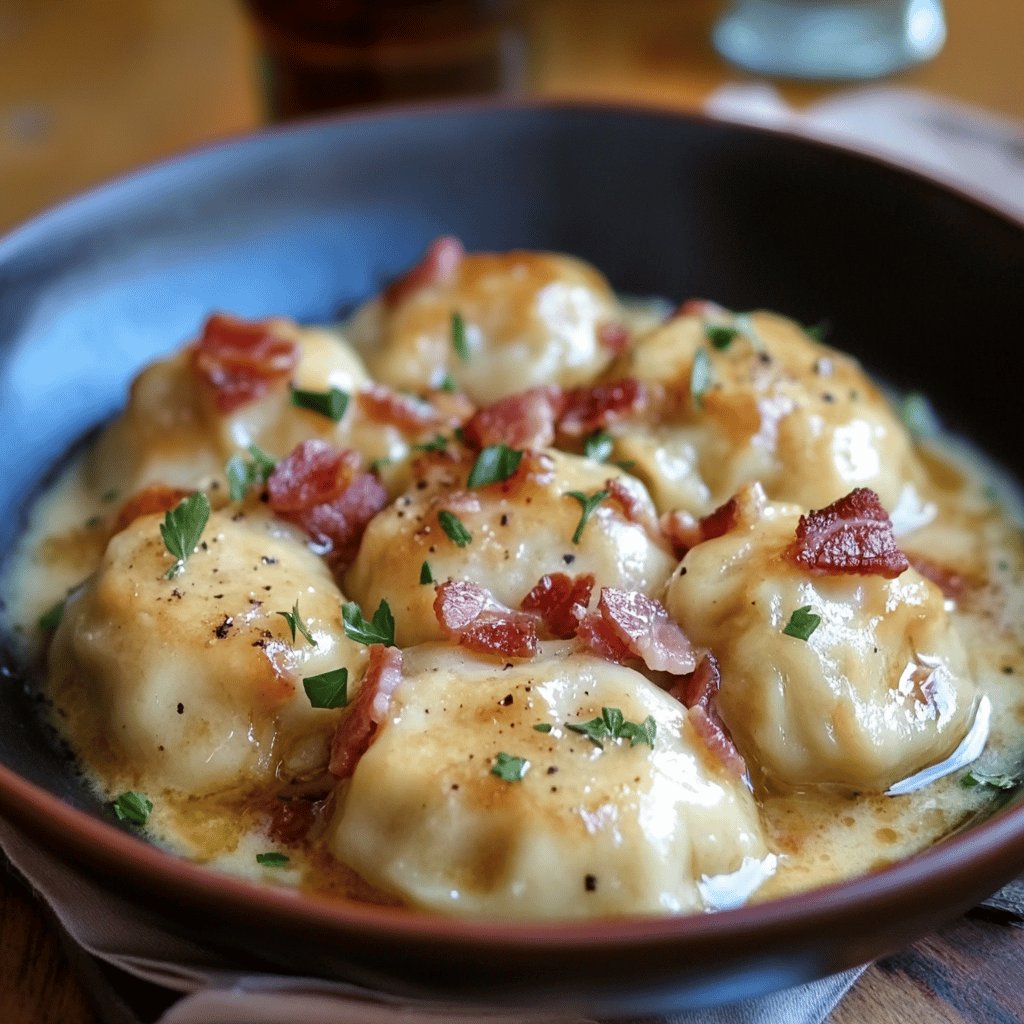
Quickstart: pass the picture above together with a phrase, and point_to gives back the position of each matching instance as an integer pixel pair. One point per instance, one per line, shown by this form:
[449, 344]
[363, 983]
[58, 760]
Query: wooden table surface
[89, 88]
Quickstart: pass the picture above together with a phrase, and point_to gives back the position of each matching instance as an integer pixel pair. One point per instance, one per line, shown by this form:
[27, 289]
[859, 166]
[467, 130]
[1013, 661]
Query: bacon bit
[614, 336]
[440, 263]
[952, 583]
[561, 602]
[240, 360]
[684, 532]
[635, 509]
[320, 489]
[408, 414]
[154, 498]
[358, 728]
[851, 536]
[699, 693]
[469, 615]
[523, 420]
[596, 633]
[643, 625]
[591, 408]
[290, 820]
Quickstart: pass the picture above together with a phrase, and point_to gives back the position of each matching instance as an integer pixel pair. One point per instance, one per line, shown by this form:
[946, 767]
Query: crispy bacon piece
[851, 536]
[685, 532]
[320, 489]
[290, 820]
[358, 728]
[408, 414]
[698, 691]
[635, 509]
[523, 420]
[154, 498]
[953, 584]
[591, 408]
[561, 602]
[240, 360]
[439, 263]
[471, 617]
[595, 632]
[614, 336]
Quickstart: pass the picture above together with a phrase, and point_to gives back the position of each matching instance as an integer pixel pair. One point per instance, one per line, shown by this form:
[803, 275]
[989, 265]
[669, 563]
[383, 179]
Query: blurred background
[90, 88]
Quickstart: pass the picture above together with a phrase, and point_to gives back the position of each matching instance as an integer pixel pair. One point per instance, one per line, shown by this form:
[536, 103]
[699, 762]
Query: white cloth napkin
[972, 150]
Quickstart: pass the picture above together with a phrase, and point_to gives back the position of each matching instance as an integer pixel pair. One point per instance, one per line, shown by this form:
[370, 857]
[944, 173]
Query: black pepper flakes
[224, 628]
[268, 560]
[590, 883]
[506, 701]
[181, 708]
[568, 559]
[504, 519]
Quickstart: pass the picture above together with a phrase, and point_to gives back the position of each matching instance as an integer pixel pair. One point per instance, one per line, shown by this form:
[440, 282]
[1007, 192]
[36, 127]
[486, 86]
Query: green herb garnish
[509, 768]
[426, 576]
[242, 474]
[818, 332]
[588, 505]
[378, 464]
[598, 446]
[272, 859]
[378, 630]
[447, 383]
[918, 416]
[542, 727]
[133, 807]
[438, 444]
[719, 336]
[294, 620]
[452, 525]
[51, 618]
[802, 623]
[327, 690]
[495, 463]
[973, 779]
[459, 341]
[701, 376]
[331, 404]
[182, 527]
[612, 725]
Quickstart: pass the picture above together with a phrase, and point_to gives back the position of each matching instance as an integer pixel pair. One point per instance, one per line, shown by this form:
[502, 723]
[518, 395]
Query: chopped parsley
[50, 619]
[918, 416]
[452, 525]
[598, 446]
[720, 336]
[182, 527]
[495, 463]
[509, 768]
[133, 807]
[437, 444]
[331, 404]
[378, 464]
[447, 383]
[459, 341]
[294, 620]
[612, 725]
[327, 690]
[426, 576]
[272, 859]
[802, 623]
[378, 630]
[701, 376]
[973, 779]
[588, 505]
[242, 474]
[819, 331]
[542, 727]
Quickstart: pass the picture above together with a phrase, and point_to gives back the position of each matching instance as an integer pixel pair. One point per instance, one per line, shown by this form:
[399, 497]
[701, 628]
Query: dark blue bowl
[921, 283]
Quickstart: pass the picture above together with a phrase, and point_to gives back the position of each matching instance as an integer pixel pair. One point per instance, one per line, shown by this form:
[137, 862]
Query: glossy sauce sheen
[190, 689]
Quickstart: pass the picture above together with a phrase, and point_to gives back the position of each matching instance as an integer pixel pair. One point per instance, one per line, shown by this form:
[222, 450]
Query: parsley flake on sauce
[182, 527]
[328, 689]
[599, 446]
[437, 444]
[447, 383]
[802, 623]
[272, 859]
[51, 618]
[331, 404]
[701, 376]
[243, 474]
[542, 727]
[452, 525]
[133, 807]
[720, 336]
[378, 630]
[973, 779]
[588, 505]
[510, 768]
[495, 463]
[612, 725]
[295, 623]
[459, 340]
[426, 576]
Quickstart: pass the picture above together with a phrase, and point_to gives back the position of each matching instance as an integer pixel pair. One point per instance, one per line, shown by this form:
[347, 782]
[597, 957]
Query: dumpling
[519, 531]
[619, 829]
[878, 690]
[755, 398]
[529, 318]
[194, 683]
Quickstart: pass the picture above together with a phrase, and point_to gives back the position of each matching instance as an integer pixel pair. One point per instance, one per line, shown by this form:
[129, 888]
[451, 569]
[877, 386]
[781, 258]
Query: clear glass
[830, 39]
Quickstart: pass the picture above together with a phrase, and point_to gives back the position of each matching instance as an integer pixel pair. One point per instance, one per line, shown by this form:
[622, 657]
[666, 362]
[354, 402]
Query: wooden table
[89, 88]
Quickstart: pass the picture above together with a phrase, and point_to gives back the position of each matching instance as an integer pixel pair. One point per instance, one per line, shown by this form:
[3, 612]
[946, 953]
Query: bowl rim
[982, 850]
